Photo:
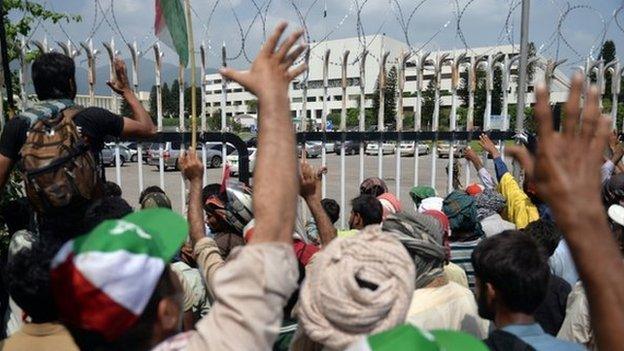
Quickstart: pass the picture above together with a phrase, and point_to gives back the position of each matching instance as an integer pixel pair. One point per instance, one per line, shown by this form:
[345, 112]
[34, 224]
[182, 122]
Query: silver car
[171, 153]
[108, 155]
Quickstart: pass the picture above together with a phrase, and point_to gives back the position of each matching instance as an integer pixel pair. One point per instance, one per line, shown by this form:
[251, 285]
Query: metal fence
[421, 61]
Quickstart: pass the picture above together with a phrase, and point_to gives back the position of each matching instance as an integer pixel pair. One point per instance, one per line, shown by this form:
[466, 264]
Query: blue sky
[434, 23]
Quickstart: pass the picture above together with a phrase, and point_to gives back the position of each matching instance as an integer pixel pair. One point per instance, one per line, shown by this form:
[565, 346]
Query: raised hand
[190, 166]
[487, 145]
[567, 167]
[271, 71]
[310, 181]
[120, 83]
[471, 155]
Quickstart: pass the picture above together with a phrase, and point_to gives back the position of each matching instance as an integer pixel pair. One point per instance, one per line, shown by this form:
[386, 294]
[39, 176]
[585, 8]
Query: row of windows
[235, 90]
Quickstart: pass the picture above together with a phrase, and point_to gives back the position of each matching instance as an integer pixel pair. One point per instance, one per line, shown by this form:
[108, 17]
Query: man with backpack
[56, 145]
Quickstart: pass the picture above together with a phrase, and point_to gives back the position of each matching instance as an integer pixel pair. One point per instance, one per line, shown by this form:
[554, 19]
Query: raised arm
[275, 180]
[193, 170]
[484, 175]
[255, 283]
[140, 124]
[567, 175]
[310, 190]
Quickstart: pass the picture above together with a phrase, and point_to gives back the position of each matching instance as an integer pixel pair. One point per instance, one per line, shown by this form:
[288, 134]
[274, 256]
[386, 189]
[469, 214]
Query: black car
[351, 147]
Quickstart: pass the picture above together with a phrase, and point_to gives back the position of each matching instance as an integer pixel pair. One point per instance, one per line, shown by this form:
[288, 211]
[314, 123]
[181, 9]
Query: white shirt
[562, 264]
[450, 306]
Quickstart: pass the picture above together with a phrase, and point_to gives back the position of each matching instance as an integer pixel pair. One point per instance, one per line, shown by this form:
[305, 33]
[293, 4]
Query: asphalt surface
[173, 178]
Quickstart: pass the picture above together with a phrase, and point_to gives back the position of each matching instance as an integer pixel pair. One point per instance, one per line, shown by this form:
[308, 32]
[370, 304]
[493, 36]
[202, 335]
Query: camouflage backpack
[57, 168]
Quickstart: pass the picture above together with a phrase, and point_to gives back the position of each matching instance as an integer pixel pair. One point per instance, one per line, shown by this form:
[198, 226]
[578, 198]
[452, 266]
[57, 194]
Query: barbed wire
[251, 17]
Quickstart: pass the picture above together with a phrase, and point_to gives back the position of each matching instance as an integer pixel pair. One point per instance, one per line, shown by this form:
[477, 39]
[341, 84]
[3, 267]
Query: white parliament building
[237, 96]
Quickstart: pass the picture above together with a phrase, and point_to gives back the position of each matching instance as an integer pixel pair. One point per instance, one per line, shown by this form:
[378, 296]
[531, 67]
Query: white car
[232, 161]
[372, 148]
[407, 148]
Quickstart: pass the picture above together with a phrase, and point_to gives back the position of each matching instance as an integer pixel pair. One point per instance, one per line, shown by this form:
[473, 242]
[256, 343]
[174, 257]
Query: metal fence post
[22, 76]
[421, 61]
[304, 96]
[362, 116]
[159, 111]
[224, 86]
[110, 49]
[324, 118]
[134, 55]
[455, 66]
[343, 128]
[90, 52]
[399, 122]
[381, 111]
[440, 59]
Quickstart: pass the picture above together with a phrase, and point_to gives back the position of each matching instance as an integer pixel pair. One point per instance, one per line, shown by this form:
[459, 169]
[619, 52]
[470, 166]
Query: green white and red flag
[170, 27]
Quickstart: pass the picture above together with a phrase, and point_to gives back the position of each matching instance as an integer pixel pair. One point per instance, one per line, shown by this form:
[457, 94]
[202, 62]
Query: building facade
[240, 101]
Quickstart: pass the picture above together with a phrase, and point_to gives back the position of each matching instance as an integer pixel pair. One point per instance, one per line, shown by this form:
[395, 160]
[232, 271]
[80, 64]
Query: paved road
[173, 179]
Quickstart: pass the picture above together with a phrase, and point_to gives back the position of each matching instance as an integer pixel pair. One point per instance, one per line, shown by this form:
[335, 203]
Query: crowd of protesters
[500, 265]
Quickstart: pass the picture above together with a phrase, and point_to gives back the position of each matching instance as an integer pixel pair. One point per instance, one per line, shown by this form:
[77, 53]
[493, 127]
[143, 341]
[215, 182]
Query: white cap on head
[616, 214]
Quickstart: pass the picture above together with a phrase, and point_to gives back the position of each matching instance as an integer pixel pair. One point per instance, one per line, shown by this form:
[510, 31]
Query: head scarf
[446, 227]
[354, 287]
[389, 203]
[373, 186]
[422, 236]
[474, 189]
[489, 202]
[431, 203]
[156, 200]
[419, 193]
[461, 211]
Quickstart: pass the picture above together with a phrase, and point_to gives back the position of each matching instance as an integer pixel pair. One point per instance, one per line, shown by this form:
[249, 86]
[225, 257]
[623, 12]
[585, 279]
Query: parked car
[351, 147]
[443, 149]
[407, 148]
[171, 153]
[329, 146]
[133, 147]
[232, 160]
[313, 150]
[372, 148]
[214, 154]
[108, 155]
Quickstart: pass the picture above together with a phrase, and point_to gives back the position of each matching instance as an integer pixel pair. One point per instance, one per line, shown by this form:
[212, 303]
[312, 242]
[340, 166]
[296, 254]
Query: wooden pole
[191, 45]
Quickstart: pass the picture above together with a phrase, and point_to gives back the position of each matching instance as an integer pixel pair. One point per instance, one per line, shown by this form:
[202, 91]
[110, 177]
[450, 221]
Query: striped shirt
[460, 255]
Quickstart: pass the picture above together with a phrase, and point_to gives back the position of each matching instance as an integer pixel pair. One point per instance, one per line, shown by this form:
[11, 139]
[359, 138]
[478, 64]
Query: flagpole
[191, 45]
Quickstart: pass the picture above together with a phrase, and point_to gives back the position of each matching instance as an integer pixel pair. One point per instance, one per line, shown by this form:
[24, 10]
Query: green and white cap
[409, 338]
[103, 280]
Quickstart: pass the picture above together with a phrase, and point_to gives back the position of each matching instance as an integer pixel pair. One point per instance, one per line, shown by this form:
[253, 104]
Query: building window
[217, 104]
[217, 91]
[229, 103]
[337, 97]
[332, 83]
[297, 99]
[311, 98]
[217, 81]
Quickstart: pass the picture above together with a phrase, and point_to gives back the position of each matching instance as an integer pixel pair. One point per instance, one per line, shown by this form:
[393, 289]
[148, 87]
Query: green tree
[428, 104]
[389, 96]
[187, 101]
[165, 96]
[27, 14]
[153, 104]
[353, 117]
[607, 53]
[173, 102]
[252, 106]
